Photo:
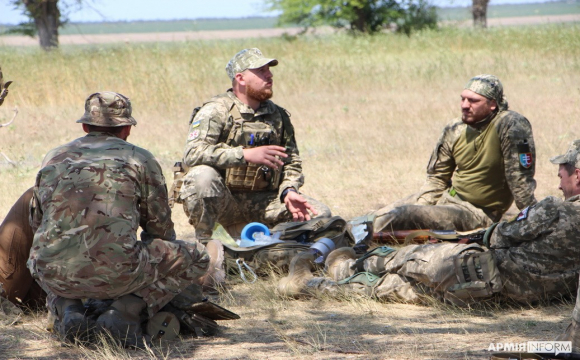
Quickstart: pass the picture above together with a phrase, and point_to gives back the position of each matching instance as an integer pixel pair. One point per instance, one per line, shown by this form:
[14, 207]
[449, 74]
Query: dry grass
[367, 112]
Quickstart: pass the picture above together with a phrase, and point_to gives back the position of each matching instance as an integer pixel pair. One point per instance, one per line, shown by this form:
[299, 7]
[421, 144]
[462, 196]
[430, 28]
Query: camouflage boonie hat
[572, 156]
[490, 87]
[248, 59]
[107, 109]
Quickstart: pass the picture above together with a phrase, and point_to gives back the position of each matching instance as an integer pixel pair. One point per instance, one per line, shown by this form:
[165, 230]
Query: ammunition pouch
[252, 177]
[477, 274]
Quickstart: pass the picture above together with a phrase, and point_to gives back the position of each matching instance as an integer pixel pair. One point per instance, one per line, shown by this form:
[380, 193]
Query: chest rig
[248, 134]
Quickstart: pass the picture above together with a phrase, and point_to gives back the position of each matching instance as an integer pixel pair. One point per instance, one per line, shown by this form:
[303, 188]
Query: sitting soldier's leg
[180, 263]
[15, 241]
[436, 217]
[206, 200]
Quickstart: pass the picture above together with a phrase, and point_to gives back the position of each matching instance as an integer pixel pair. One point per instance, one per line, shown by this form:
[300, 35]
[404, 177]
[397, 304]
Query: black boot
[123, 321]
[72, 324]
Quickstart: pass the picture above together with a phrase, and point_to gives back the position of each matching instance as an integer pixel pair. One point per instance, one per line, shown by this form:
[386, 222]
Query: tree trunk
[47, 20]
[360, 22]
[479, 10]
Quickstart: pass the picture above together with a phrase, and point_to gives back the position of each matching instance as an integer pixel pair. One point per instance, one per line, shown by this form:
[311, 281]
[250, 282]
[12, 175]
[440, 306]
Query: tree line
[45, 17]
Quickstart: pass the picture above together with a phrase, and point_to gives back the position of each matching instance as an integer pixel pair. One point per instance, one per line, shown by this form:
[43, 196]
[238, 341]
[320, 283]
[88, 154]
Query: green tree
[44, 19]
[366, 16]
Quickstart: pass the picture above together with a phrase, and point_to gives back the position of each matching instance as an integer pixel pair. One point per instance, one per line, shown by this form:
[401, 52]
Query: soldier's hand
[268, 155]
[298, 206]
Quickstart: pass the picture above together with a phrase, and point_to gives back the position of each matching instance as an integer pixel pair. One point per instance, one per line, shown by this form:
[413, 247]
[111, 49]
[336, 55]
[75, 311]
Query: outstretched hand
[298, 206]
[268, 155]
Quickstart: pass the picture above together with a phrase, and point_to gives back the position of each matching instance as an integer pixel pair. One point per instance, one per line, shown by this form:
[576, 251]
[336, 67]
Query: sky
[128, 10]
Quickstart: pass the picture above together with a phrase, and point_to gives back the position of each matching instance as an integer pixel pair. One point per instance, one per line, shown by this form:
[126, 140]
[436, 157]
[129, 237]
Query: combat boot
[71, 322]
[215, 276]
[299, 273]
[338, 263]
[183, 306]
[187, 297]
[123, 321]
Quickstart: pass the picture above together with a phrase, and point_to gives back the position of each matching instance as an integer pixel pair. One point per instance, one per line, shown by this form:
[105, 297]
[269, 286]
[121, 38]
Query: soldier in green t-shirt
[480, 165]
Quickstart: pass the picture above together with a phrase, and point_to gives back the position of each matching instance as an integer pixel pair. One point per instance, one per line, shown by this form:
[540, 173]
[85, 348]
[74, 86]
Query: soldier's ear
[239, 78]
[577, 179]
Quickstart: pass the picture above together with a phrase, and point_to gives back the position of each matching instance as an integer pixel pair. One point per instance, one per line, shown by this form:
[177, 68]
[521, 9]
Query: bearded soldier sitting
[242, 158]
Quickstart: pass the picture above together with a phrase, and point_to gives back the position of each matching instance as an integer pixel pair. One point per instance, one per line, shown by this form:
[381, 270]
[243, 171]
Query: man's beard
[259, 95]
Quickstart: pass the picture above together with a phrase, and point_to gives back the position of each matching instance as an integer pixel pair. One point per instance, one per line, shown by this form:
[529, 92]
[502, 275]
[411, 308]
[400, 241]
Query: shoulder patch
[525, 155]
[523, 214]
[193, 135]
[195, 124]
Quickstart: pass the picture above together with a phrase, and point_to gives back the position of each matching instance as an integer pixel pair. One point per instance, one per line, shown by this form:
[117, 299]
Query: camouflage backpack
[297, 236]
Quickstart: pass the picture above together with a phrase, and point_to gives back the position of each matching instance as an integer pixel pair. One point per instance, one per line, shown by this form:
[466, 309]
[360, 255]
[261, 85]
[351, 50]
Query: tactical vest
[480, 175]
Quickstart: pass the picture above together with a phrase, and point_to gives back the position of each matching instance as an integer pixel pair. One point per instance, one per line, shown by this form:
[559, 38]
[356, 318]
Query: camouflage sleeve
[519, 154]
[292, 172]
[441, 166]
[531, 223]
[205, 141]
[155, 213]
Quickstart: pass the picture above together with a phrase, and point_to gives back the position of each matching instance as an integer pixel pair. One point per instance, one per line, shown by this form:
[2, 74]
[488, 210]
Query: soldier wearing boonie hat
[107, 109]
[236, 134]
[482, 162]
[90, 198]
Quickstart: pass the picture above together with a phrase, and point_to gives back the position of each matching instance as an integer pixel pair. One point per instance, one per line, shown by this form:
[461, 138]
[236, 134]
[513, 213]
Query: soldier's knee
[202, 181]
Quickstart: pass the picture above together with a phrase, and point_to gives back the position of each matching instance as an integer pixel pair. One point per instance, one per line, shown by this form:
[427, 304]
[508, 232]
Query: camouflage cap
[490, 87]
[248, 59]
[107, 109]
[572, 156]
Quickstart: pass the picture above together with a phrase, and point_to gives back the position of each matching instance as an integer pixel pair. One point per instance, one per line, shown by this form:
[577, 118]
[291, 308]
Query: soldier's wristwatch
[285, 192]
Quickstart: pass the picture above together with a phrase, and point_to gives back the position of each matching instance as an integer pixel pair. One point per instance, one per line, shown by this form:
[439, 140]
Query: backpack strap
[234, 112]
[287, 128]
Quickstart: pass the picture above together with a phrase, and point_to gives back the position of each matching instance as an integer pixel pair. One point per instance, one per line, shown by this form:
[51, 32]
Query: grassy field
[367, 112]
[445, 13]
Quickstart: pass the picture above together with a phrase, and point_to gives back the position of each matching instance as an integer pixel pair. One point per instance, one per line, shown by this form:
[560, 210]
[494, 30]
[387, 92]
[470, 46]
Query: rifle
[406, 237]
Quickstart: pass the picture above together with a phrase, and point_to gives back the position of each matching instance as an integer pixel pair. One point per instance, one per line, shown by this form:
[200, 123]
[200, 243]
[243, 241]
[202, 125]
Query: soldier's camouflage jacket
[208, 144]
[538, 253]
[90, 197]
[490, 166]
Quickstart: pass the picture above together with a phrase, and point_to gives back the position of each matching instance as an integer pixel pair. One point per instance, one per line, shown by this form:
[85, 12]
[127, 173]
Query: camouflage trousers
[207, 200]
[450, 213]
[165, 269]
[15, 242]
[410, 273]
